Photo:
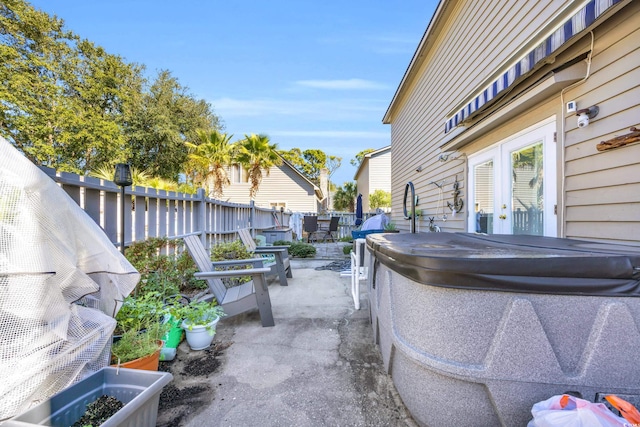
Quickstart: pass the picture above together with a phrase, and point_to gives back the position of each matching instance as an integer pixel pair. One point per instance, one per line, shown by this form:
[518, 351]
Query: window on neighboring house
[239, 174]
[278, 205]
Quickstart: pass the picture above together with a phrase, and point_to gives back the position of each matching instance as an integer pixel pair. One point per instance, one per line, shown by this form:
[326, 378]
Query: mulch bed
[336, 265]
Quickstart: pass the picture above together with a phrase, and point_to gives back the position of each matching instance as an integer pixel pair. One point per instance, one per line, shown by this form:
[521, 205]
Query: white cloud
[349, 84]
[336, 109]
[333, 134]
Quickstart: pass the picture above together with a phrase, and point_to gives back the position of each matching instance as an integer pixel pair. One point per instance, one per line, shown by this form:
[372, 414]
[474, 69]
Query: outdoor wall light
[586, 114]
[122, 178]
[445, 156]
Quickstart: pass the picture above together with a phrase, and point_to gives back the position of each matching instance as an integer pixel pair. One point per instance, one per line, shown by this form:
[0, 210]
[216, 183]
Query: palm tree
[210, 159]
[345, 197]
[256, 155]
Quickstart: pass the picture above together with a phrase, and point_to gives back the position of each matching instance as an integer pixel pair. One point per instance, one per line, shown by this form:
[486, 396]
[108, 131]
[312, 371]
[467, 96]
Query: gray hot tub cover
[531, 264]
[60, 278]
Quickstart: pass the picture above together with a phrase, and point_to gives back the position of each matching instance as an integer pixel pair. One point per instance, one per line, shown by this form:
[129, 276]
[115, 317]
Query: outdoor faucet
[411, 215]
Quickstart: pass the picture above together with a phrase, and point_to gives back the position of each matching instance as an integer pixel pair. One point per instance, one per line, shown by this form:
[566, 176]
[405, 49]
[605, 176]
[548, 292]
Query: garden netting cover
[60, 283]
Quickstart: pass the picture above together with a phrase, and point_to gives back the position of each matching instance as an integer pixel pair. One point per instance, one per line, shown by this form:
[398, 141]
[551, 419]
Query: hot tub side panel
[491, 355]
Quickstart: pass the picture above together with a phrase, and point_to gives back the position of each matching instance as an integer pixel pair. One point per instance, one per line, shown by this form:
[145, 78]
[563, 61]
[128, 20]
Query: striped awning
[574, 25]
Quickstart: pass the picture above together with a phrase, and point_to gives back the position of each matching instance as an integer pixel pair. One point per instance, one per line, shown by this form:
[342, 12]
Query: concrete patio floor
[317, 367]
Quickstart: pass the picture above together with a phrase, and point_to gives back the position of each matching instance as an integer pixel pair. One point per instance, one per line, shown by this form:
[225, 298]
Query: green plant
[390, 226]
[302, 250]
[347, 249]
[167, 274]
[136, 344]
[230, 250]
[224, 251]
[282, 243]
[199, 313]
[140, 312]
[348, 239]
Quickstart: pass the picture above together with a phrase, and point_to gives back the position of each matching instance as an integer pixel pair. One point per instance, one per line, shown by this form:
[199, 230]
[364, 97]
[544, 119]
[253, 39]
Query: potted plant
[199, 320]
[391, 228]
[140, 323]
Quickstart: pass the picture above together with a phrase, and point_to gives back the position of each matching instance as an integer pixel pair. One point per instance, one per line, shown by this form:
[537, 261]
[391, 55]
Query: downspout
[563, 209]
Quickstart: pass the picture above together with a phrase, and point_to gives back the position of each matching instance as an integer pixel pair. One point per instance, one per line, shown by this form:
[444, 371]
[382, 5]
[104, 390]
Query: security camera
[583, 120]
[585, 115]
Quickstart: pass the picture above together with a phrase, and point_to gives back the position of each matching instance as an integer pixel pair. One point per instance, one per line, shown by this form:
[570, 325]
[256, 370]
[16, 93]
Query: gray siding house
[494, 103]
[374, 173]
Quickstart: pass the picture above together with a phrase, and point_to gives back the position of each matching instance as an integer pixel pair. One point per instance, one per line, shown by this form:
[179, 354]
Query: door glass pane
[483, 190]
[527, 191]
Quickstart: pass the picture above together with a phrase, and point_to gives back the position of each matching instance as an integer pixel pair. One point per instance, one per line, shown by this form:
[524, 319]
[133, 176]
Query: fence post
[252, 215]
[201, 215]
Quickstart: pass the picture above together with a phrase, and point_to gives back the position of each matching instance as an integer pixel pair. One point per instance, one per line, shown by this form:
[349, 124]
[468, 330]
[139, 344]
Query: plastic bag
[569, 411]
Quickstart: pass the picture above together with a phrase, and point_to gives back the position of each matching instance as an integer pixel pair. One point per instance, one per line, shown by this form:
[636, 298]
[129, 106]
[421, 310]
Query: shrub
[282, 243]
[302, 250]
[232, 250]
[166, 274]
[347, 249]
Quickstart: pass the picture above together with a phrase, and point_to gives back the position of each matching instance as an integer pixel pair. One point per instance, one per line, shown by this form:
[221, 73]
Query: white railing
[158, 213]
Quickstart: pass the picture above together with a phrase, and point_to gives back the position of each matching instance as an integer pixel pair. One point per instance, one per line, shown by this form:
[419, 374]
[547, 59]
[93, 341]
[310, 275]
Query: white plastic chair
[358, 271]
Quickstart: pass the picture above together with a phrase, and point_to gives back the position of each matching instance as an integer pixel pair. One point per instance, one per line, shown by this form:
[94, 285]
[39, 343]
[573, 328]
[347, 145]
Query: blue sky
[309, 74]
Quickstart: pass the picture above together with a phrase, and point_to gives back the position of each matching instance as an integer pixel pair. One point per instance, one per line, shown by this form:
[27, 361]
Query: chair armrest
[234, 262]
[271, 249]
[232, 273]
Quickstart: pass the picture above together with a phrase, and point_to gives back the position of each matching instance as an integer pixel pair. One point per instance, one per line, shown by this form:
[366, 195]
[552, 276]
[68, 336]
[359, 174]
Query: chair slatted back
[247, 240]
[203, 261]
[333, 225]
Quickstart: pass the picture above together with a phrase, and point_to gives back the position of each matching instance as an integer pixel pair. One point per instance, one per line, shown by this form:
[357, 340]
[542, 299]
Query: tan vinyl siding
[380, 172]
[374, 174]
[282, 185]
[363, 183]
[455, 67]
[602, 188]
[471, 43]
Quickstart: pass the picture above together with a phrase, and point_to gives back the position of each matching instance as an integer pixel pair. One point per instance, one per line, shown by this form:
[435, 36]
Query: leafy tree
[32, 53]
[360, 156]
[61, 99]
[256, 155]
[380, 199]
[99, 89]
[160, 123]
[294, 157]
[211, 158]
[333, 164]
[345, 197]
[310, 162]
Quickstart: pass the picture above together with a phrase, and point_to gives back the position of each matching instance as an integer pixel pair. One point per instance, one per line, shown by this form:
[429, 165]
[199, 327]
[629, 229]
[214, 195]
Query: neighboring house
[374, 173]
[489, 100]
[284, 187]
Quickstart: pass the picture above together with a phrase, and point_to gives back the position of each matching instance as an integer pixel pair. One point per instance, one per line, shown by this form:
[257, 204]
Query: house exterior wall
[603, 188]
[374, 174]
[363, 184]
[598, 192]
[281, 186]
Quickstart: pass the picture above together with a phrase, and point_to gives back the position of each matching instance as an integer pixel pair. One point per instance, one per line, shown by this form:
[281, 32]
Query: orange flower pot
[148, 363]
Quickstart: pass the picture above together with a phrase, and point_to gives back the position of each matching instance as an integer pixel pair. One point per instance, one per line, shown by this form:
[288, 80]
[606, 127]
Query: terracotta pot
[147, 363]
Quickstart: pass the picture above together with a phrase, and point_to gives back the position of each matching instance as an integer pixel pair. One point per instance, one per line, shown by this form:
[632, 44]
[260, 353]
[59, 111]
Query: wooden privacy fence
[157, 213]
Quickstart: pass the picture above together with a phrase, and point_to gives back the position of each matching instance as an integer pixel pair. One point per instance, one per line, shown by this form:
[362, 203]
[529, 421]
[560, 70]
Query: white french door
[512, 184]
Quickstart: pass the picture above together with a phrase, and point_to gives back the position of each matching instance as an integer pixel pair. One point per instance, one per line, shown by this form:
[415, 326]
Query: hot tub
[475, 329]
